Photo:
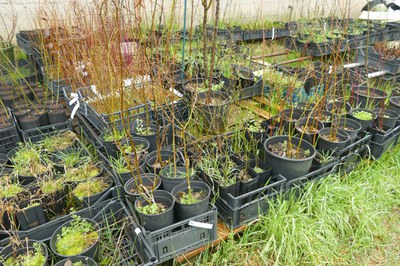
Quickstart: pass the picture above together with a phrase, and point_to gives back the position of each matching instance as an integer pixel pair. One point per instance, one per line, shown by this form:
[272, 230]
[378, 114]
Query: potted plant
[289, 156]
[289, 117]
[77, 260]
[350, 126]
[77, 237]
[323, 158]
[56, 113]
[332, 139]
[83, 172]
[54, 195]
[364, 116]
[385, 118]
[30, 214]
[172, 175]
[147, 131]
[29, 252]
[140, 184]
[158, 159]
[308, 127]
[70, 158]
[58, 142]
[394, 104]
[140, 146]
[155, 209]
[191, 199]
[339, 107]
[124, 167]
[364, 97]
[90, 191]
[110, 139]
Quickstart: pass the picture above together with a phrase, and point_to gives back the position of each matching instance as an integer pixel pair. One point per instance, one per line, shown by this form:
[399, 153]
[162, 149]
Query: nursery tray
[240, 210]
[180, 237]
[378, 149]
[37, 134]
[314, 175]
[360, 75]
[9, 138]
[26, 43]
[127, 246]
[371, 58]
[383, 137]
[360, 144]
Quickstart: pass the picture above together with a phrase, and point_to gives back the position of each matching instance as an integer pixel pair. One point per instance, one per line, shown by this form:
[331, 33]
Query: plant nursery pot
[31, 217]
[59, 165]
[186, 211]
[214, 114]
[148, 180]
[78, 259]
[385, 117]
[329, 145]
[57, 116]
[190, 88]
[110, 146]
[142, 142]
[90, 200]
[166, 156]
[7, 55]
[289, 168]
[9, 100]
[170, 179]
[365, 124]
[29, 122]
[324, 116]
[305, 106]
[90, 252]
[310, 122]
[43, 118]
[152, 138]
[350, 126]
[365, 97]
[394, 104]
[23, 247]
[153, 222]
[56, 202]
[258, 136]
[289, 118]
[264, 175]
[21, 113]
[223, 191]
[248, 185]
[245, 76]
[339, 107]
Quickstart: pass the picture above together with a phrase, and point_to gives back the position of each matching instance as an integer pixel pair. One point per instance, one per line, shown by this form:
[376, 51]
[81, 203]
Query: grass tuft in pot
[34, 256]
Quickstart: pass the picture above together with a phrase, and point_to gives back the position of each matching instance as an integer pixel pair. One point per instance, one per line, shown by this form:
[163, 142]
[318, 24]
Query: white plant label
[200, 225]
[273, 34]
[75, 99]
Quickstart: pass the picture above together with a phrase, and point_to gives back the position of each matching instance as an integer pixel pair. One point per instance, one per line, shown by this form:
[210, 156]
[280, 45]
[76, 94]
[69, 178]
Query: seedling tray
[237, 211]
[9, 138]
[37, 134]
[126, 247]
[181, 237]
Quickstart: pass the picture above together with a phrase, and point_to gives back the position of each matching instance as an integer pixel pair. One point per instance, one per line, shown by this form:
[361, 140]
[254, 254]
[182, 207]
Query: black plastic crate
[383, 137]
[253, 35]
[26, 40]
[37, 134]
[245, 208]
[315, 174]
[378, 149]
[9, 138]
[181, 237]
[360, 144]
[129, 247]
[256, 90]
[351, 160]
[370, 57]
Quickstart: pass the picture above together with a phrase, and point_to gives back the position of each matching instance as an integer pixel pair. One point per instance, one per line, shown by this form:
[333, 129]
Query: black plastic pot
[110, 146]
[170, 179]
[20, 114]
[214, 115]
[90, 252]
[244, 75]
[272, 125]
[90, 200]
[21, 248]
[69, 261]
[30, 217]
[152, 139]
[365, 124]
[324, 116]
[58, 163]
[289, 118]
[248, 185]
[57, 116]
[136, 141]
[394, 104]
[257, 136]
[335, 107]
[55, 202]
[148, 180]
[350, 126]
[365, 97]
[29, 122]
[385, 118]
[43, 118]
[166, 156]
[310, 122]
[153, 222]
[328, 145]
[305, 106]
[223, 190]
[186, 211]
[26, 180]
[189, 86]
[289, 168]
[263, 176]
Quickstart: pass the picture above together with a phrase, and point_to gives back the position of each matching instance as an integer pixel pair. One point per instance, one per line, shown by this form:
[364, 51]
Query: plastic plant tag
[138, 231]
[273, 34]
[352, 65]
[75, 99]
[376, 74]
[200, 225]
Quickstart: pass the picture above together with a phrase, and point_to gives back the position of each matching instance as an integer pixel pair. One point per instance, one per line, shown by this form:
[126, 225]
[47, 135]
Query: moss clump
[89, 188]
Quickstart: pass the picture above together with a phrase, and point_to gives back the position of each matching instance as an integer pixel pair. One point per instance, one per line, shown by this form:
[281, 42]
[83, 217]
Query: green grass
[348, 220]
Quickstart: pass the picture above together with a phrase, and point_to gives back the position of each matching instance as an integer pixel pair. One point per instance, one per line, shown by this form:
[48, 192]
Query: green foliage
[33, 257]
[89, 188]
[58, 142]
[84, 172]
[153, 208]
[362, 115]
[10, 190]
[115, 135]
[77, 237]
[143, 130]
